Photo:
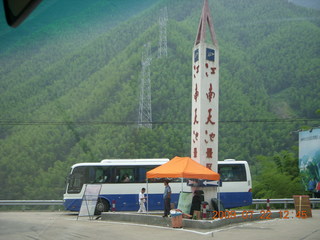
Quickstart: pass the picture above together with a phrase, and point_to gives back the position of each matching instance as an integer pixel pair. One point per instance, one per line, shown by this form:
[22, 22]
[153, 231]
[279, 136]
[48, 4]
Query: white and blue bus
[122, 180]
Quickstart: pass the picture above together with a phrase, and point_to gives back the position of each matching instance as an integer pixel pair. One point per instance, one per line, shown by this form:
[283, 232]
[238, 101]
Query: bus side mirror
[220, 183]
[17, 11]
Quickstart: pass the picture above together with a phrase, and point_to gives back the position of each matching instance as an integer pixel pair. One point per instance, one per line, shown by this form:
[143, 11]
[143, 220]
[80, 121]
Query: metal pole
[147, 198]
[181, 184]
[218, 197]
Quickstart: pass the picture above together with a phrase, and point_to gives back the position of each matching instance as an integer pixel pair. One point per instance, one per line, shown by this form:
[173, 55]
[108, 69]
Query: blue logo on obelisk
[210, 54]
[196, 55]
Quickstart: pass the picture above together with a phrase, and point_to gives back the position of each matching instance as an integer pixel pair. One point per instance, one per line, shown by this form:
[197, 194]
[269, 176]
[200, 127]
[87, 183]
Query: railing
[256, 202]
[30, 202]
[284, 201]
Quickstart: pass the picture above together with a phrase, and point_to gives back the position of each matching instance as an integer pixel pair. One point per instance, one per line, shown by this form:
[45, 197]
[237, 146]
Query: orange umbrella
[183, 167]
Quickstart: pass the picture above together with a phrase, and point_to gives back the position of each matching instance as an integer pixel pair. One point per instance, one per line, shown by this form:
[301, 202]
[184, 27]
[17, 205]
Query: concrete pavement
[63, 225]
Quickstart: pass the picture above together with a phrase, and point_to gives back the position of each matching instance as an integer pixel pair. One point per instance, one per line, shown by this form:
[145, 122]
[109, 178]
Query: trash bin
[176, 218]
[302, 206]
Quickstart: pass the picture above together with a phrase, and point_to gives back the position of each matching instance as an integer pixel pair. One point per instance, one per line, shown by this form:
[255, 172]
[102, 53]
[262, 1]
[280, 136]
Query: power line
[288, 120]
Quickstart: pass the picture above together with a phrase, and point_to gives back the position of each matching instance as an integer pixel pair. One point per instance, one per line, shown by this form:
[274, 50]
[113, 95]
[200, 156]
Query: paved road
[61, 225]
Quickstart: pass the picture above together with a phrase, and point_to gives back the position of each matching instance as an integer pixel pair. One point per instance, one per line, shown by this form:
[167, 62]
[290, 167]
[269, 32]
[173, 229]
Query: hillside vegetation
[69, 89]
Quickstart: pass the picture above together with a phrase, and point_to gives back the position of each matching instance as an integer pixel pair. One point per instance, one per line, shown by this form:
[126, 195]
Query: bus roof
[124, 162]
[143, 162]
[232, 161]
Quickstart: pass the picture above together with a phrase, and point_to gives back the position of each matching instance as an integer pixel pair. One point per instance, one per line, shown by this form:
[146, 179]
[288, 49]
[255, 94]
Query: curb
[149, 219]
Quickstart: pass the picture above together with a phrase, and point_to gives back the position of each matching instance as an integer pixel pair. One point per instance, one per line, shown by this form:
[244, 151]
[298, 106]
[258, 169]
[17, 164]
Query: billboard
[309, 160]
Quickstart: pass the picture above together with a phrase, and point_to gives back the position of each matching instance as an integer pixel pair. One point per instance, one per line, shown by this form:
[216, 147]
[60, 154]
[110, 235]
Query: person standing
[166, 198]
[142, 200]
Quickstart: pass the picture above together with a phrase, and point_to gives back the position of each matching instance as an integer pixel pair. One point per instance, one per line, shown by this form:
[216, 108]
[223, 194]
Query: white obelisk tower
[205, 98]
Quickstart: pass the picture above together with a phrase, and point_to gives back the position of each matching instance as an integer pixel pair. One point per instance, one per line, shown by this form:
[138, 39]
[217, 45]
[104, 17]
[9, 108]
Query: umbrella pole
[147, 198]
[218, 196]
[181, 184]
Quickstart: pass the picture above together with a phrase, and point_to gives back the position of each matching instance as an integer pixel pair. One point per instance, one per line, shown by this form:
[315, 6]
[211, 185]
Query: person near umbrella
[166, 198]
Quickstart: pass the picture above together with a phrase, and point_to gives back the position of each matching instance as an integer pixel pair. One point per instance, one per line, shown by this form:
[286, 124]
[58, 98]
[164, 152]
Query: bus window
[142, 171]
[102, 175]
[125, 175]
[232, 172]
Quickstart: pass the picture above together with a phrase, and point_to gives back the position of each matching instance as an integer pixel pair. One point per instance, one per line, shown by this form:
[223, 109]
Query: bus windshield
[232, 172]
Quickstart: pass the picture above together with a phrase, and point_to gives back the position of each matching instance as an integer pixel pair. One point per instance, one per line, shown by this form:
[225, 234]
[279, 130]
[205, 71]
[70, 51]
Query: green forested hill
[69, 87]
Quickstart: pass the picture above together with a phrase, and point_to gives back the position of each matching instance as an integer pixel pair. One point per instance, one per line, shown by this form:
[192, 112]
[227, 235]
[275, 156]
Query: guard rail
[30, 202]
[284, 201]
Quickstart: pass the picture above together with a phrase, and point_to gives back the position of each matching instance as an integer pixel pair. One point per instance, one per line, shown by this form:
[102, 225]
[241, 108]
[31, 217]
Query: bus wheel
[102, 206]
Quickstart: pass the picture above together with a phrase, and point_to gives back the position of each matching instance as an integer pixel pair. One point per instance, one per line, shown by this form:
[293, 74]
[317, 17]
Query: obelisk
[205, 98]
